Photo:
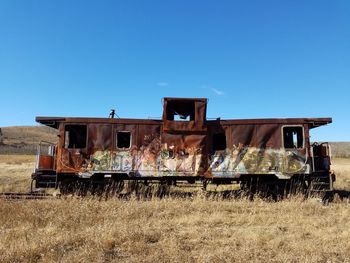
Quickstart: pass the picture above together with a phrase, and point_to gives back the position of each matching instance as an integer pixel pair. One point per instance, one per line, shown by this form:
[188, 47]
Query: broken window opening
[178, 117]
[293, 137]
[75, 136]
[123, 140]
[219, 142]
[180, 110]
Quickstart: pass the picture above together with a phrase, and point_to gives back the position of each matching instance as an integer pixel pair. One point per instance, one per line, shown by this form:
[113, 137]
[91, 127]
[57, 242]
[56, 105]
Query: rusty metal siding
[147, 134]
[99, 137]
[268, 136]
[243, 135]
[183, 154]
[153, 153]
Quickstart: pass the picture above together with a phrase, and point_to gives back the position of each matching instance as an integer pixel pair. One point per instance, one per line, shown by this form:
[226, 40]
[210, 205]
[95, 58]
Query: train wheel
[249, 188]
[119, 186]
[296, 186]
[269, 189]
[274, 190]
[67, 186]
[163, 189]
[321, 187]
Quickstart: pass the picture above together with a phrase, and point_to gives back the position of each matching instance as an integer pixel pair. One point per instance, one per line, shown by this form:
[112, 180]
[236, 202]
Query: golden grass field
[170, 229]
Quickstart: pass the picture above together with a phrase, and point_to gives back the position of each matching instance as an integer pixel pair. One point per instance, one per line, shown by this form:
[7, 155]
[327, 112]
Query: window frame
[116, 140]
[168, 115]
[64, 135]
[303, 134]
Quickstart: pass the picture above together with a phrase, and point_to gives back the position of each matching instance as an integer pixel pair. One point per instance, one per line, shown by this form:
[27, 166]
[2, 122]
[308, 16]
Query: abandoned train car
[183, 145]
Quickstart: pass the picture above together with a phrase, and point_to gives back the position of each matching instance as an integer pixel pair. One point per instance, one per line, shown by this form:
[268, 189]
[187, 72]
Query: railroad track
[342, 194]
[27, 196]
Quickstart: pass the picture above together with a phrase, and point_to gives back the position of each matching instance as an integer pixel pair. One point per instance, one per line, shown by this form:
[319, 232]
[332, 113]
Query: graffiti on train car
[161, 160]
[252, 160]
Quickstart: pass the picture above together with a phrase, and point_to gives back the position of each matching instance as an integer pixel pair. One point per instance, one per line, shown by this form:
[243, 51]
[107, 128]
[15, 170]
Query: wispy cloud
[214, 90]
[217, 92]
[163, 84]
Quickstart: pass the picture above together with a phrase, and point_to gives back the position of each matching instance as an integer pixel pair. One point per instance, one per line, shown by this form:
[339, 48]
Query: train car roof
[185, 99]
[313, 122]
[54, 122]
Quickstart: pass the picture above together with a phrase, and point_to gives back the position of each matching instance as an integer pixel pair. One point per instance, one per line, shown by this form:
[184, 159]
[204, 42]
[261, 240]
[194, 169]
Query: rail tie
[26, 196]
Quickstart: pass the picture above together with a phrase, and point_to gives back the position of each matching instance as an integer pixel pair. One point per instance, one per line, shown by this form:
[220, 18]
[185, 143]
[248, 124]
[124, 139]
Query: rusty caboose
[184, 146]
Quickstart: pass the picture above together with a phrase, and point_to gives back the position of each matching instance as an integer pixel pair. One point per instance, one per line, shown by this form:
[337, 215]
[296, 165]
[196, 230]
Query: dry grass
[342, 170]
[173, 230]
[15, 171]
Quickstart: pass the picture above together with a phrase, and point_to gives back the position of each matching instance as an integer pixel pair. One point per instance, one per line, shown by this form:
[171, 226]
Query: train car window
[123, 140]
[75, 136]
[293, 137]
[219, 141]
[180, 110]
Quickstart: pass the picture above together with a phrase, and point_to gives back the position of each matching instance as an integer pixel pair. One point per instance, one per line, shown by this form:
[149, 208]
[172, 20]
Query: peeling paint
[252, 160]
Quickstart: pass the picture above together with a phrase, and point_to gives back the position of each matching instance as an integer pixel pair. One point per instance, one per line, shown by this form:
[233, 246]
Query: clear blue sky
[252, 59]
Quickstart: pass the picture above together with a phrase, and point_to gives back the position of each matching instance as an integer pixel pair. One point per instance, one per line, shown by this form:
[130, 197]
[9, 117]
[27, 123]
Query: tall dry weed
[179, 230]
[195, 229]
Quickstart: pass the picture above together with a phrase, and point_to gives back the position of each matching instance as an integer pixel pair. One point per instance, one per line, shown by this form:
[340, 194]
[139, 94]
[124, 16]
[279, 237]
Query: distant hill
[340, 149]
[24, 139]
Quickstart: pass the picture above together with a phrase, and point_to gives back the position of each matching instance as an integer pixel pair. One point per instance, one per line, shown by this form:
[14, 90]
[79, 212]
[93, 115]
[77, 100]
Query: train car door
[218, 158]
[294, 144]
[74, 148]
[125, 149]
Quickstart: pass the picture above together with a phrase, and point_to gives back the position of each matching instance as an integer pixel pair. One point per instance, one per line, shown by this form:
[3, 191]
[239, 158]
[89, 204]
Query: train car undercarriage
[266, 186]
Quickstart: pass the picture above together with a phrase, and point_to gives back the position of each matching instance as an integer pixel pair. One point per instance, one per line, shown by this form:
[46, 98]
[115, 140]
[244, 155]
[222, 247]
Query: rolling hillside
[24, 139]
[341, 149]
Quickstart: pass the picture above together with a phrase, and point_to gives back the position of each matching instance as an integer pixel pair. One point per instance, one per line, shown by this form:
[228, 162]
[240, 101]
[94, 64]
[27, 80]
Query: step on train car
[184, 146]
